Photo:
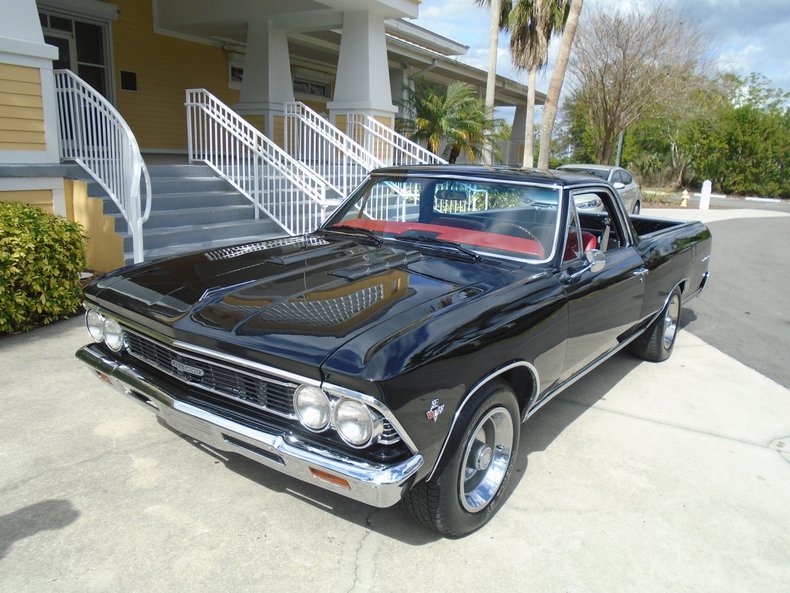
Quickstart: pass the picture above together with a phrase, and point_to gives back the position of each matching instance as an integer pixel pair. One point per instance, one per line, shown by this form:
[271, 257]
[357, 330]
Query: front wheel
[657, 342]
[465, 494]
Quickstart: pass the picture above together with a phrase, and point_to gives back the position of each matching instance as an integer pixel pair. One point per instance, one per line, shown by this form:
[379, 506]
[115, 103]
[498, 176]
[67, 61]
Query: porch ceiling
[228, 19]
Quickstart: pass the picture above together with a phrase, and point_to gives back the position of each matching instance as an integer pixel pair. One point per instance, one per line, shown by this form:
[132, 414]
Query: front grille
[255, 389]
[389, 435]
[259, 390]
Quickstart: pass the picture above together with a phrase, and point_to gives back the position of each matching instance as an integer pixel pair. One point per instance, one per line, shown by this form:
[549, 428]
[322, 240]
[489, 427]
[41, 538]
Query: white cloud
[746, 37]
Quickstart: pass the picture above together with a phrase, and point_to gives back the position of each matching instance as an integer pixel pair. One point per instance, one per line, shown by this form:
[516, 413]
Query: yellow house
[342, 59]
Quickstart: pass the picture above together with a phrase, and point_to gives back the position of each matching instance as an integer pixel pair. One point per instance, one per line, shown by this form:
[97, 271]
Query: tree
[499, 20]
[745, 148]
[451, 116]
[531, 24]
[627, 63]
[555, 84]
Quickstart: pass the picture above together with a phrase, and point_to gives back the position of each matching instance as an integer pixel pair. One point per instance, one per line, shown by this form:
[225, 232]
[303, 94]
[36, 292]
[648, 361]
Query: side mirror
[594, 261]
[618, 185]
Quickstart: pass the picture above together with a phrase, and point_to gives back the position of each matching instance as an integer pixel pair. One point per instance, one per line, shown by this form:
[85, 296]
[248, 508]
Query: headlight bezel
[333, 420]
[95, 329]
[589, 204]
[114, 336]
[373, 423]
[96, 324]
[319, 394]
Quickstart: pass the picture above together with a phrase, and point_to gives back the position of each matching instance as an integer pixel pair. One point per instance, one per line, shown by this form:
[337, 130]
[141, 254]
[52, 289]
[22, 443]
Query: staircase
[192, 209]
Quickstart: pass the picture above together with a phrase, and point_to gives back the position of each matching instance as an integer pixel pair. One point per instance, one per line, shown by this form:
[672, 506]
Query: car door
[628, 193]
[604, 307]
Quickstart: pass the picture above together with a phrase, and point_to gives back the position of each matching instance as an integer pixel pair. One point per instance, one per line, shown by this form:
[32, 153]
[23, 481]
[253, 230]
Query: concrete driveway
[640, 478]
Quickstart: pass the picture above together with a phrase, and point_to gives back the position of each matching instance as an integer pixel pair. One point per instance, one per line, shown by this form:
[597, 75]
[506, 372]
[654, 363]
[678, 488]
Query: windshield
[489, 218]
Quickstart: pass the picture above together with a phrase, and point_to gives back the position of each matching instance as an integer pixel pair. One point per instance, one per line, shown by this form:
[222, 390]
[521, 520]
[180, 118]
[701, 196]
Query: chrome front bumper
[379, 485]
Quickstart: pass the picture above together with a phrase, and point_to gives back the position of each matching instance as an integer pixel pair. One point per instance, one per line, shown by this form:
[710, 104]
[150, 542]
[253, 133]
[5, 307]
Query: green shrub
[41, 256]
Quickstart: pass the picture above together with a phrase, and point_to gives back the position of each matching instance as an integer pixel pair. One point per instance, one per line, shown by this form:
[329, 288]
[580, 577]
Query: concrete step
[154, 238]
[182, 249]
[187, 200]
[193, 209]
[191, 170]
[168, 185]
[191, 216]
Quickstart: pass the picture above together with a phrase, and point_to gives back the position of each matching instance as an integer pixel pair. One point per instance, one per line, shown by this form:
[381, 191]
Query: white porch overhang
[228, 19]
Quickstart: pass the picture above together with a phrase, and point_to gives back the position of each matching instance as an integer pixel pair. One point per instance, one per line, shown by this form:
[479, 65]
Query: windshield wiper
[425, 239]
[354, 231]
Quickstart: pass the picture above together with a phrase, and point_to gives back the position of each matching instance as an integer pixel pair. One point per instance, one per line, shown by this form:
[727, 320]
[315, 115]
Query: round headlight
[312, 407]
[113, 335]
[355, 423]
[94, 322]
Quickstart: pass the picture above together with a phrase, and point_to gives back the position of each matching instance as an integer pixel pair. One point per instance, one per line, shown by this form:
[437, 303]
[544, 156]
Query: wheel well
[524, 385]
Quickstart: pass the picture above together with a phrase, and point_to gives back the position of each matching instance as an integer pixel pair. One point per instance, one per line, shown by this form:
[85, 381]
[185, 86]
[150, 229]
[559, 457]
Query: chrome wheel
[486, 459]
[671, 321]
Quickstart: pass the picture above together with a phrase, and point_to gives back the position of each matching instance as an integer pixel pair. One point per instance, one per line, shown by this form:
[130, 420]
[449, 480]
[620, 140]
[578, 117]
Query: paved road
[736, 203]
[641, 477]
[745, 311]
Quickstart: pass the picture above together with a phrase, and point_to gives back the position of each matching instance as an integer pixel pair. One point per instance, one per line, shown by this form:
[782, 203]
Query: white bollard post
[684, 200]
[704, 199]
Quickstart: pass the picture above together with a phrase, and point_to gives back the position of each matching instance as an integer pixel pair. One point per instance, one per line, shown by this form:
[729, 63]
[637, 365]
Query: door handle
[641, 272]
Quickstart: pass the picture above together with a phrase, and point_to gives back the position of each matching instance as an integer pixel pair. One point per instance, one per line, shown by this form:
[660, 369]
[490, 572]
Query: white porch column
[267, 83]
[515, 154]
[363, 83]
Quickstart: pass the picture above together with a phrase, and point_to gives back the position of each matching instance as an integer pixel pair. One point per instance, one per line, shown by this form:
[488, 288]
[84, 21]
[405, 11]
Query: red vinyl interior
[588, 239]
[458, 235]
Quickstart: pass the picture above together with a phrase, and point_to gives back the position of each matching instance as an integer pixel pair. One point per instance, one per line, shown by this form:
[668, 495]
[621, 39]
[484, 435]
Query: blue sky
[745, 36]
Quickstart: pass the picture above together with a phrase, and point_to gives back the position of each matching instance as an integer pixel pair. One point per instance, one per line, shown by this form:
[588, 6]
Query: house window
[313, 88]
[308, 87]
[83, 48]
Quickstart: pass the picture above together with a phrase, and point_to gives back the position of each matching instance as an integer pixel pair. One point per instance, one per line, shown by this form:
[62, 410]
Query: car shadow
[394, 522]
[545, 426]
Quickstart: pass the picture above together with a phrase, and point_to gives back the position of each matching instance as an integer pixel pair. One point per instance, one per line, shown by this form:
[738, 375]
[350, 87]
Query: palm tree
[532, 23]
[499, 20]
[453, 116]
[555, 85]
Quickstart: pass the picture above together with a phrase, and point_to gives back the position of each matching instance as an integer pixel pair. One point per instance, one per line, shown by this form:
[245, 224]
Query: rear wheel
[657, 342]
[465, 494]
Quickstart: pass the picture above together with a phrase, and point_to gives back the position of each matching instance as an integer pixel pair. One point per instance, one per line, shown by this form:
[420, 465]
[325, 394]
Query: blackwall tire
[464, 495]
[657, 342]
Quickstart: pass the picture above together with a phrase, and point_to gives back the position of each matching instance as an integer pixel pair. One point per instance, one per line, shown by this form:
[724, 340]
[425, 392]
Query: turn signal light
[331, 478]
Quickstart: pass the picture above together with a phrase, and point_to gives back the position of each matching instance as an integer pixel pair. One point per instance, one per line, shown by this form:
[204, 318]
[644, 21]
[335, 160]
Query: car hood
[294, 299]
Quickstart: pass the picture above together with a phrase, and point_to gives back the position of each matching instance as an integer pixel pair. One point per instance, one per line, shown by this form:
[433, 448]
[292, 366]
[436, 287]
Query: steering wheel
[508, 228]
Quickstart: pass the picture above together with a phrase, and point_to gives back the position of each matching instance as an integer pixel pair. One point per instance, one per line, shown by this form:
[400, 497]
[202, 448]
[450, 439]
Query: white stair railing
[386, 144]
[287, 191]
[95, 136]
[339, 160]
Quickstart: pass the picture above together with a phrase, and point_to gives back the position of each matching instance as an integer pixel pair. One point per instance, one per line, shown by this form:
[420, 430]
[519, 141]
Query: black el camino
[393, 353]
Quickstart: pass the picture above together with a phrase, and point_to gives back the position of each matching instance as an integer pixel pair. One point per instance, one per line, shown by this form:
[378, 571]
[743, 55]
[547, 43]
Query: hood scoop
[375, 266]
[238, 250]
